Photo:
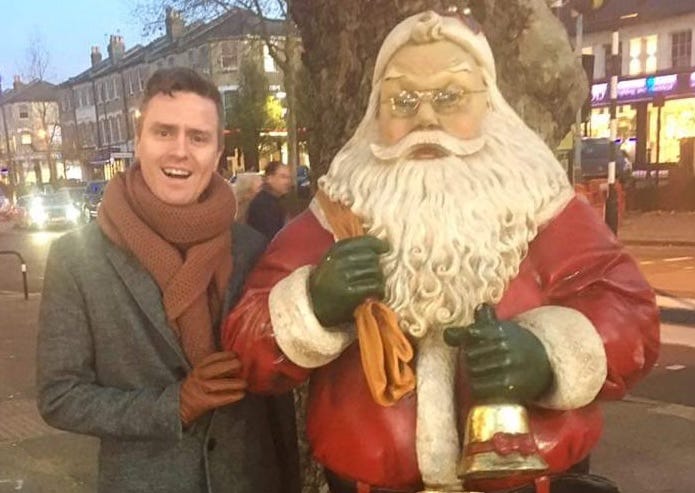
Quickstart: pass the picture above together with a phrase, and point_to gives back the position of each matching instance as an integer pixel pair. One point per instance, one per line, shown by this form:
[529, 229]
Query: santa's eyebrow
[393, 73]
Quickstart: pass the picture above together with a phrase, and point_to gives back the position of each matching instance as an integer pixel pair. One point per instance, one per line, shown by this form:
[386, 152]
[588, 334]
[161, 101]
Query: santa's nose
[426, 117]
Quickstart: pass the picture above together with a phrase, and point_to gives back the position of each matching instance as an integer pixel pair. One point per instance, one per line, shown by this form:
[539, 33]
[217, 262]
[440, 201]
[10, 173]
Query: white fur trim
[437, 441]
[298, 333]
[575, 351]
[555, 207]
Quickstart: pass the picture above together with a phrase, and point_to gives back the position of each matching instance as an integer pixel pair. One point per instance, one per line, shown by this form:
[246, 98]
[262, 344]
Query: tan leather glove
[212, 383]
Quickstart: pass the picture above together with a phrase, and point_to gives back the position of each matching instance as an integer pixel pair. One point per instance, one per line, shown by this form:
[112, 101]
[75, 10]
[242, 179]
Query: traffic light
[586, 6]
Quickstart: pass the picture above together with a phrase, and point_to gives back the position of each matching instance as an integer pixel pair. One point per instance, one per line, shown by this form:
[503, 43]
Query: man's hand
[347, 275]
[505, 361]
[214, 382]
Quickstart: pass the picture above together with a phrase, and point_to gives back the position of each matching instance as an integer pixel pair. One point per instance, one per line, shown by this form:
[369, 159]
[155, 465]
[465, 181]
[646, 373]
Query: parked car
[44, 211]
[76, 193]
[596, 153]
[93, 194]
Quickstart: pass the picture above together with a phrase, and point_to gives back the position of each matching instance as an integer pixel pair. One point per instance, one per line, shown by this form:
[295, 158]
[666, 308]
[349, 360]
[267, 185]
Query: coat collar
[145, 292]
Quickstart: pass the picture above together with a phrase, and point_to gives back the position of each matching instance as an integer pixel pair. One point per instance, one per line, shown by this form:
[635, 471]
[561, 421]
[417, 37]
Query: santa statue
[445, 261]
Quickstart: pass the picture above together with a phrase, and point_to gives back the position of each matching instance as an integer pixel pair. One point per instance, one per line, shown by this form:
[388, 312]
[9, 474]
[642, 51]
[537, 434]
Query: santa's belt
[336, 484]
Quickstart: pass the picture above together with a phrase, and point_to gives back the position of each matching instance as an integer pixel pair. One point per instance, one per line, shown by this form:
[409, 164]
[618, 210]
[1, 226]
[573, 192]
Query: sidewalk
[658, 228]
[33, 456]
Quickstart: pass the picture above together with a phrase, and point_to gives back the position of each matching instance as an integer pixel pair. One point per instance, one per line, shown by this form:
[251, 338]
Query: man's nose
[180, 145]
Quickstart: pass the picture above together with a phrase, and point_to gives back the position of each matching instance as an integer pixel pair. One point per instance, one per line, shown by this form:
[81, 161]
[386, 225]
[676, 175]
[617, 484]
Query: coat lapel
[146, 294]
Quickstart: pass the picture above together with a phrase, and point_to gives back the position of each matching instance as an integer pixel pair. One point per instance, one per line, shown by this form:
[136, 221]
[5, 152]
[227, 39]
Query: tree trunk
[537, 71]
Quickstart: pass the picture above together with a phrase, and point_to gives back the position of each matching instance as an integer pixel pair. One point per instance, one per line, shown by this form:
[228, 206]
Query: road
[647, 447]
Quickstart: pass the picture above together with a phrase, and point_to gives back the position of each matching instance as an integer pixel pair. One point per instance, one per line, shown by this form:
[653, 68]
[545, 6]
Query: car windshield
[599, 149]
[60, 198]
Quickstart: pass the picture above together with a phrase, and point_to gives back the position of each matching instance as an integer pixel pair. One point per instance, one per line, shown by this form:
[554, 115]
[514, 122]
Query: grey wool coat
[110, 366]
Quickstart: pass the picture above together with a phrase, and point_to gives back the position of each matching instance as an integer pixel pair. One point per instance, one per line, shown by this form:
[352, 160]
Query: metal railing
[23, 266]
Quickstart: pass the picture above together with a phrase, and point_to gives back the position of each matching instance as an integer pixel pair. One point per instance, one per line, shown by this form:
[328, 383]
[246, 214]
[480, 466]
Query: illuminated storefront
[654, 113]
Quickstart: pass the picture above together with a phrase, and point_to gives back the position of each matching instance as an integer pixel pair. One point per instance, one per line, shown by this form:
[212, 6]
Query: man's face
[280, 182]
[431, 86]
[178, 146]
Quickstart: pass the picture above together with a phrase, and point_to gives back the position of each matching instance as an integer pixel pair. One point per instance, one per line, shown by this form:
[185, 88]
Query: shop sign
[638, 88]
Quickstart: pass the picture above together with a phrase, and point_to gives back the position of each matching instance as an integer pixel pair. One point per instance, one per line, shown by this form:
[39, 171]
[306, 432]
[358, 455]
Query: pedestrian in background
[266, 213]
[246, 186]
[128, 330]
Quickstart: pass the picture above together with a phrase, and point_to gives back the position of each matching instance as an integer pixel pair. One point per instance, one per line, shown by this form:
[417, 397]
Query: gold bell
[498, 443]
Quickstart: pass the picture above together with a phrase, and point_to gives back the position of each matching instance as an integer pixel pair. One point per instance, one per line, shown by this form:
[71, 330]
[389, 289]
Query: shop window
[643, 55]
[681, 48]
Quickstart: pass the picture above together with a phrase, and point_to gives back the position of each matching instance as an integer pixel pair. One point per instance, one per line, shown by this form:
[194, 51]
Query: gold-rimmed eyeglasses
[444, 101]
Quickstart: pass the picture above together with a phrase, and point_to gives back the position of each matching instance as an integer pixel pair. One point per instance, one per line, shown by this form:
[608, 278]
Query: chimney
[174, 24]
[116, 48]
[95, 56]
[17, 82]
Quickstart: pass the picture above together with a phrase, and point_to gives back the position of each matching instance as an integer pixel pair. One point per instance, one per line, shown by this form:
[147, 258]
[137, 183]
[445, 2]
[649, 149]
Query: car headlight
[38, 214]
[72, 213]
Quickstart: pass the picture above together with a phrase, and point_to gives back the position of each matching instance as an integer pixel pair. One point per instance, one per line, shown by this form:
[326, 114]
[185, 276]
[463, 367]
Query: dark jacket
[110, 366]
[265, 214]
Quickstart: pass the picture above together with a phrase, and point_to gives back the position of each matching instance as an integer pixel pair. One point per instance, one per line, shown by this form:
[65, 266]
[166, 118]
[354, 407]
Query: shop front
[108, 162]
[655, 114]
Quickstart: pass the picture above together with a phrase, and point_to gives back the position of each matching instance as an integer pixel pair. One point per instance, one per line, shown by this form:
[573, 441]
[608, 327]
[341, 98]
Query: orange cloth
[186, 249]
[385, 351]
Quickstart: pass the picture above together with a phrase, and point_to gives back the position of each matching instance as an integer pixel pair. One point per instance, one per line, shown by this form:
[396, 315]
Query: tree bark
[537, 71]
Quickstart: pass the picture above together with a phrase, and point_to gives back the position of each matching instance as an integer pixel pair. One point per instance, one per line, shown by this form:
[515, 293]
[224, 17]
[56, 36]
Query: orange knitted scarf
[385, 351]
[186, 249]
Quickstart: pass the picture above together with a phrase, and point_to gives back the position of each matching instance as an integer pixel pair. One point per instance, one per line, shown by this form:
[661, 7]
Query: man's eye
[163, 133]
[199, 138]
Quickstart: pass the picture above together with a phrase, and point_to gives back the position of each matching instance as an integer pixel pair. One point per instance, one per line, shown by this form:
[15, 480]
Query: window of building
[643, 55]
[142, 76]
[607, 51]
[171, 61]
[681, 48]
[268, 61]
[102, 91]
[110, 89]
[24, 112]
[229, 59]
[104, 133]
[25, 139]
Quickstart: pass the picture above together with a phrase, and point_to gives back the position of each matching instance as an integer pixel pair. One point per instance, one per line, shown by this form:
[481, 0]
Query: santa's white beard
[458, 226]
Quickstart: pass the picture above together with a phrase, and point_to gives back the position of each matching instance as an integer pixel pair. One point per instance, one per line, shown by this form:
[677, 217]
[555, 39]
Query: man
[465, 209]
[128, 337]
[246, 187]
[265, 213]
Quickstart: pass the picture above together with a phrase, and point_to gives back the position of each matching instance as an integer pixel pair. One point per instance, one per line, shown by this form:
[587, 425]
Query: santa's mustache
[442, 141]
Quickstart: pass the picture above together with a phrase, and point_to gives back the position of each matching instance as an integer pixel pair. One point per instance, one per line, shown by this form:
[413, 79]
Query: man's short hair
[180, 79]
[272, 167]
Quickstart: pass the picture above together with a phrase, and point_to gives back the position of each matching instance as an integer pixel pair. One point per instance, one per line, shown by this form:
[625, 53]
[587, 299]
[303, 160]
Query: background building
[30, 143]
[656, 88]
[99, 107]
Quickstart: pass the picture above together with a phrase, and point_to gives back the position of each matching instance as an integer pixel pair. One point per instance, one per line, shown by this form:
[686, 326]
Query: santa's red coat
[575, 262]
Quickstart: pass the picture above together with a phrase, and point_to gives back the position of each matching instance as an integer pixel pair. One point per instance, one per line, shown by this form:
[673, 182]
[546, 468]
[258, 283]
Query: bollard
[23, 267]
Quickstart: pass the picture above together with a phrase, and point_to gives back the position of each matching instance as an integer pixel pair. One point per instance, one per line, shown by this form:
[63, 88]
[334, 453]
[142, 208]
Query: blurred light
[41, 134]
[72, 213]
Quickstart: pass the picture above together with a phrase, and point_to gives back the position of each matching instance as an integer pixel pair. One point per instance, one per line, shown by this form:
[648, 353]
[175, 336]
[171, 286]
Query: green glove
[505, 361]
[347, 275]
